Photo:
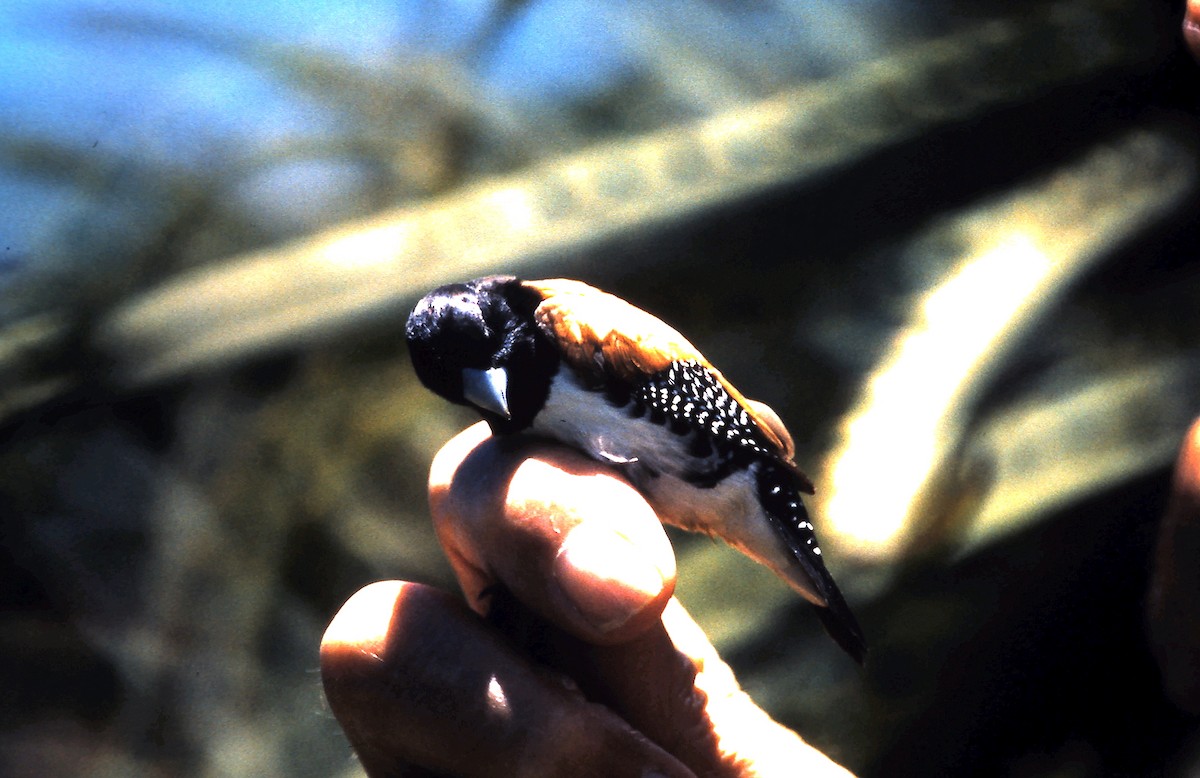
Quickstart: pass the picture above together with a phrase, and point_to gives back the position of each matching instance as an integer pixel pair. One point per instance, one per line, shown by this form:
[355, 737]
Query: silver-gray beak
[487, 389]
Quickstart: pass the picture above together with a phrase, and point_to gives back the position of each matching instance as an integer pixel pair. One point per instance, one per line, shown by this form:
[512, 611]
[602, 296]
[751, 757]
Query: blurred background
[952, 243]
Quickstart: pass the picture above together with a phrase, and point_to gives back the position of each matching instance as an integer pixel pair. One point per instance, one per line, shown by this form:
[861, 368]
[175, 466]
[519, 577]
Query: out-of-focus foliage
[950, 242]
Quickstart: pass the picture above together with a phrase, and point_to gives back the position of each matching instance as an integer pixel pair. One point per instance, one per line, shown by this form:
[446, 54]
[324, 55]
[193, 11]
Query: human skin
[1174, 600]
[595, 670]
[1191, 27]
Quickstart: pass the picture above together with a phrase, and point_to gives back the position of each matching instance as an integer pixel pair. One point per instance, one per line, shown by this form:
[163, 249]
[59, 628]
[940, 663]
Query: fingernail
[606, 577]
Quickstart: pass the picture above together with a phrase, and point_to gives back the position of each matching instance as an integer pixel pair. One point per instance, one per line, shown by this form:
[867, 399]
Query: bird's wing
[600, 334]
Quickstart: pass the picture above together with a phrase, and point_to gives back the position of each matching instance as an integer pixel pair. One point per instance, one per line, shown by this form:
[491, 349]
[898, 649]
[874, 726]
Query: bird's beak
[487, 389]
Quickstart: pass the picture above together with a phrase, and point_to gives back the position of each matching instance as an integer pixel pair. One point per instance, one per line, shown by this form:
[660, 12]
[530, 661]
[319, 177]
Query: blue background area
[174, 87]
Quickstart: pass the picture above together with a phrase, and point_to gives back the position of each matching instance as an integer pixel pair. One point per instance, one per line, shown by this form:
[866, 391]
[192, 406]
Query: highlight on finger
[565, 534]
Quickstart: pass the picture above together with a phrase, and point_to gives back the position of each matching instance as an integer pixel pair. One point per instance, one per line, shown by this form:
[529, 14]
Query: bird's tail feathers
[781, 502]
[839, 622]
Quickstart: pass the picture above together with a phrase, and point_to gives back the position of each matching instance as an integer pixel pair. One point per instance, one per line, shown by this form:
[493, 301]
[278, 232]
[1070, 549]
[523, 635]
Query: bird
[560, 359]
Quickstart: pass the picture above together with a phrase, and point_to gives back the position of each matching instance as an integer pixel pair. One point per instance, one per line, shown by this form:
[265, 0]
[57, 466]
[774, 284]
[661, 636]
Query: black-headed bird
[562, 360]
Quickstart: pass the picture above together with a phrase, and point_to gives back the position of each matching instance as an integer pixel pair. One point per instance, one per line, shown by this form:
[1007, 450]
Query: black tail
[781, 502]
[841, 625]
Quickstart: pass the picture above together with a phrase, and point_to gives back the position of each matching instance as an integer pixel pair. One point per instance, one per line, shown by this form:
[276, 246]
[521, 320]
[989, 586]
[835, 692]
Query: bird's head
[476, 343]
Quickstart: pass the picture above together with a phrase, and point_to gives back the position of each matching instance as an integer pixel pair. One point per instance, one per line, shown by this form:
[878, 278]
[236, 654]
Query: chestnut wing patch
[601, 332]
[604, 337]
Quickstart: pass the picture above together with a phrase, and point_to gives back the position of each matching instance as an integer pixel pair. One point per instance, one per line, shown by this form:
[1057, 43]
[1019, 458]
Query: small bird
[563, 360]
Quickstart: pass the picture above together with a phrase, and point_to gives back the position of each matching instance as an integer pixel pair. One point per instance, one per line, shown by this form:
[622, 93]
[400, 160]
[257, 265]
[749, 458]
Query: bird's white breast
[655, 460]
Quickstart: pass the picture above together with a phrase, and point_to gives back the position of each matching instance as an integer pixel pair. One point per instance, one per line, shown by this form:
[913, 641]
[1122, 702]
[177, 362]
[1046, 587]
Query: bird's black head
[477, 344]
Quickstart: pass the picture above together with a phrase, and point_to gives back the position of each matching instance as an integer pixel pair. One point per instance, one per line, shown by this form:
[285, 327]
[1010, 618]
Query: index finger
[565, 535]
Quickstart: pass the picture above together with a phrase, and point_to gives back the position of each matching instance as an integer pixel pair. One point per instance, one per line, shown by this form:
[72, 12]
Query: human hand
[586, 665]
[1174, 601]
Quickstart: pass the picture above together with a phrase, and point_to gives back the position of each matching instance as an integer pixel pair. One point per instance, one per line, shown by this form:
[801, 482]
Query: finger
[415, 679]
[568, 537]
[670, 684]
[1174, 602]
[747, 735]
